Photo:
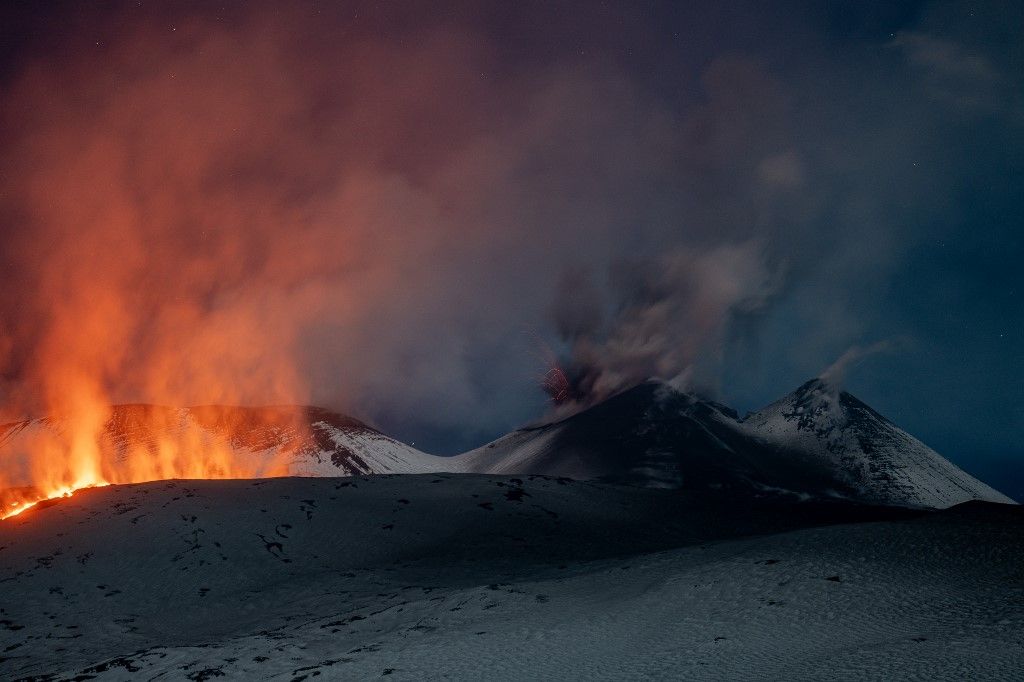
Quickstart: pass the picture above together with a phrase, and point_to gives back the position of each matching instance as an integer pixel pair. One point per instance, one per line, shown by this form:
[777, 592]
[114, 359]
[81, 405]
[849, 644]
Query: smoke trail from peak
[665, 315]
[835, 374]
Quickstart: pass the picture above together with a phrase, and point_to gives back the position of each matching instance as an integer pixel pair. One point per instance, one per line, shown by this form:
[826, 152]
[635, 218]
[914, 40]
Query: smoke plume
[208, 213]
[835, 374]
[363, 206]
[663, 316]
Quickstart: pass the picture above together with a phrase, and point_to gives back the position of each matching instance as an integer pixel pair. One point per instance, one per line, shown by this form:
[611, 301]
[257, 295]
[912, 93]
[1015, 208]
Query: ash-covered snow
[495, 577]
[650, 435]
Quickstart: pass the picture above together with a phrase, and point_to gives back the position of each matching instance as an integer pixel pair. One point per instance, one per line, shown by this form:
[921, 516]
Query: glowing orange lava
[17, 507]
[53, 457]
[556, 384]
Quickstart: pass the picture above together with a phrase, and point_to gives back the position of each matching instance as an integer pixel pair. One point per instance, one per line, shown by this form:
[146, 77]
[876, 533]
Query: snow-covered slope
[275, 440]
[312, 440]
[880, 461]
[501, 578]
[813, 442]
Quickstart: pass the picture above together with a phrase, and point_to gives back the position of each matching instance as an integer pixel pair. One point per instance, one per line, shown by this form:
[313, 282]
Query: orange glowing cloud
[277, 210]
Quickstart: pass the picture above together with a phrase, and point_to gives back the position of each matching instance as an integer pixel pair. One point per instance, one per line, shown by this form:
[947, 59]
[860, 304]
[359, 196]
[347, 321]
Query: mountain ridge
[817, 441]
[821, 421]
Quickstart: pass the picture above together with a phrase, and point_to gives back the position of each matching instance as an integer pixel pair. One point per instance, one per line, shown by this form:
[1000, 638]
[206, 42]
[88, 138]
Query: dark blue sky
[730, 194]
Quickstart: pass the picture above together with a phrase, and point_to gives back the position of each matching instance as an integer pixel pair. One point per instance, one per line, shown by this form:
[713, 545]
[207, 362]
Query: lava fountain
[53, 457]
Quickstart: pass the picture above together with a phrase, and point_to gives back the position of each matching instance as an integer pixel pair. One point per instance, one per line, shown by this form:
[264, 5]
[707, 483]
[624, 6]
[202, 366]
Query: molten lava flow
[16, 507]
[53, 457]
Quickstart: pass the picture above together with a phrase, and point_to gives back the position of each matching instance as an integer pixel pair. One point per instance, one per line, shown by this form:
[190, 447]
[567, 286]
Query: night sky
[411, 214]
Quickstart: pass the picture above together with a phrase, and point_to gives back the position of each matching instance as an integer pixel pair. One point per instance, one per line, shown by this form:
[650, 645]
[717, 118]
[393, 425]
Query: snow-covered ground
[498, 577]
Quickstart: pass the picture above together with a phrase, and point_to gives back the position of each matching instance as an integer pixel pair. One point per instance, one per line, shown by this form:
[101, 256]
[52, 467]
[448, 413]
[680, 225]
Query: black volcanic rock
[814, 442]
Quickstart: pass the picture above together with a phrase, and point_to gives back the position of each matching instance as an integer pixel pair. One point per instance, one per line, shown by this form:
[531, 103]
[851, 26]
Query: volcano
[817, 442]
[250, 442]
[823, 426]
[311, 440]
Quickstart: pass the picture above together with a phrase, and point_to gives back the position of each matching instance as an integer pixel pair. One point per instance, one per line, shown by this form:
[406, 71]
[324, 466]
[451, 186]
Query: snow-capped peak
[880, 461]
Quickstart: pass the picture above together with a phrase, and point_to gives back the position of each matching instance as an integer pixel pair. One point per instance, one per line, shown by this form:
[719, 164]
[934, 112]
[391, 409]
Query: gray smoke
[665, 315]
[379, 200]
